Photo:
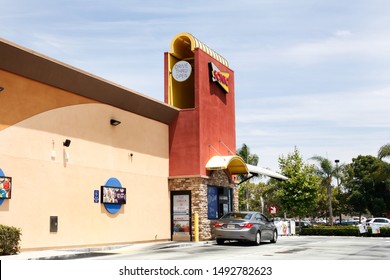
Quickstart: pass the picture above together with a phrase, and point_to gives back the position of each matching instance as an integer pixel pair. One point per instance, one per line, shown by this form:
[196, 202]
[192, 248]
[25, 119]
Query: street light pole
[337, 178]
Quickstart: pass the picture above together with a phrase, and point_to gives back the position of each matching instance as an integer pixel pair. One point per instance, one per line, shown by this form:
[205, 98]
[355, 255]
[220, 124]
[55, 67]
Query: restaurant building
[86, 162]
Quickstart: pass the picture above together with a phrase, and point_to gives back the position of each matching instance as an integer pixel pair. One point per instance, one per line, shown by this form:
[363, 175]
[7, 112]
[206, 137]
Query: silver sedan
[245, 226]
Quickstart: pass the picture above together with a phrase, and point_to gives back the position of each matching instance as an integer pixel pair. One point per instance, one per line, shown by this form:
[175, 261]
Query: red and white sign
[222, 78]
[273, 209]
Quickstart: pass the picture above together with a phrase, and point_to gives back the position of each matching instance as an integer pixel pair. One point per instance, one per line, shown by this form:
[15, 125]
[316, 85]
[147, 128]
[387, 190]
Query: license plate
[231, 226]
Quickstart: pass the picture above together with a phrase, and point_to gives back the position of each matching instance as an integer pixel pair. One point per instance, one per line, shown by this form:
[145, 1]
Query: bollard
[196, 227]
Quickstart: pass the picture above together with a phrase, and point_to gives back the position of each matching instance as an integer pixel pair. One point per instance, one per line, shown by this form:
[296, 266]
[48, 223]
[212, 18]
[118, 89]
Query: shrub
[343, 231]
[9, 240]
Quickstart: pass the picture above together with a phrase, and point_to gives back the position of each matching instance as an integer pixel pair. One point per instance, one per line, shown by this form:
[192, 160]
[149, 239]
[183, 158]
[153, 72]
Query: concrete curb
[79, 253]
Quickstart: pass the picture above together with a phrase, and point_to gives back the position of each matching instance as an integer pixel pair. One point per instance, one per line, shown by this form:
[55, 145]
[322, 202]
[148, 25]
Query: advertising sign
[113, 195]
[222, 78]
[181, 71]
[5, 187]
[375, 229]
[181, 216]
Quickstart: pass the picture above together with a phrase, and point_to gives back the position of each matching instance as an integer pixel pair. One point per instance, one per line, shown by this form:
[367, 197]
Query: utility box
[53, 223]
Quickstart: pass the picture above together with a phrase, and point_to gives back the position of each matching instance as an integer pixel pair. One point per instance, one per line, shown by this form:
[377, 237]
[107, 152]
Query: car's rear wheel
[274, 237]
[220, 241]
[258, 238]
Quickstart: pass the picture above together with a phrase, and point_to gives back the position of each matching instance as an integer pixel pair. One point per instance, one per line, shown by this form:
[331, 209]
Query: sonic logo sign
[222, 78]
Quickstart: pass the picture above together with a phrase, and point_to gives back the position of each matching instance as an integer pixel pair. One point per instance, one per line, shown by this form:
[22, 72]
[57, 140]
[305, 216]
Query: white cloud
[311, 75]
[343, 33]
[349, 109]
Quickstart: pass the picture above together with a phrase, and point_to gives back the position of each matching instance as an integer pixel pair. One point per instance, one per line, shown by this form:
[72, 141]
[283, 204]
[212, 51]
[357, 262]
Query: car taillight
[247, 225]
[218, 224]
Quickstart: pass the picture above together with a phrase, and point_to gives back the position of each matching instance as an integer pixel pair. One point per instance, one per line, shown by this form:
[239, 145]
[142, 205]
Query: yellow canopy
[234, 164]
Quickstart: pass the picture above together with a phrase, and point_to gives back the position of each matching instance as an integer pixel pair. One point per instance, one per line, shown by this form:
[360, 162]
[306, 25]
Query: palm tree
[244, 153]
[383, 172]
[384, 151]
[326, 170]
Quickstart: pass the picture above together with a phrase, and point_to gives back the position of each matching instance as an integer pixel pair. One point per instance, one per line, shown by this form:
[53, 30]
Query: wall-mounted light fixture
[67, 143]
[1, 88]
[114, 122]
[53, 151]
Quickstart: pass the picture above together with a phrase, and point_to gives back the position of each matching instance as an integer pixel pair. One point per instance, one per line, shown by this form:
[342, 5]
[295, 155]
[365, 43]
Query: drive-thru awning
[236, 165]
[257, 170]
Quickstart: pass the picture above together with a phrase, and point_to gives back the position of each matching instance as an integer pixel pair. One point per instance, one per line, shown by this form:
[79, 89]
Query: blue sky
[308, 74]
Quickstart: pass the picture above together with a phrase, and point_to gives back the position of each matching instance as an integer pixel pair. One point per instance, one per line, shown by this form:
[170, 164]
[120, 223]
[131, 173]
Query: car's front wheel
[257, 238]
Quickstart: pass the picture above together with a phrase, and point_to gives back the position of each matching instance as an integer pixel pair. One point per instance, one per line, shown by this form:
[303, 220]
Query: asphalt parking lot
[287, 248]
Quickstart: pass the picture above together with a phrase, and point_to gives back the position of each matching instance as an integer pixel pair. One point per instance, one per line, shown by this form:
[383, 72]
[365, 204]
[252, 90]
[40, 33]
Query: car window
[264, 218]
[245, 216]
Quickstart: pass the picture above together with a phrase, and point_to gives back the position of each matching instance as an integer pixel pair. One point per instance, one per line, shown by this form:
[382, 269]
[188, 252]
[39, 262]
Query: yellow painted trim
[195, 43]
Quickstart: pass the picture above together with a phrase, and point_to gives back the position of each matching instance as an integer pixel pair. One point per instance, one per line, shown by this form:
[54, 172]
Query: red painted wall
[200, 133]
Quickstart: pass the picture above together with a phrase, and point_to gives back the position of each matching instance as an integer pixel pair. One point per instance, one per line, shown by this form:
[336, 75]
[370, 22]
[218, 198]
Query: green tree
[321, 209]
[365, 191]
[326, 170]
[383, 173]
[341, 205]
[244, 191]
[255, 201]
[245, 153]
[298, 195]
[383, 176]
[271, 198]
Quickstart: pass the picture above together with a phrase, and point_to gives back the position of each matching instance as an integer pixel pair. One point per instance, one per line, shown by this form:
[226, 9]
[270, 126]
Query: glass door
[181, 215]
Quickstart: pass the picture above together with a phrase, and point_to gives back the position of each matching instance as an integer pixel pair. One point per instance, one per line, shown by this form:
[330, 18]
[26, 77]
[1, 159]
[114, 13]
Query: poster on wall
[181, 216]
[212, 201]
[5, 187]
[113, 195]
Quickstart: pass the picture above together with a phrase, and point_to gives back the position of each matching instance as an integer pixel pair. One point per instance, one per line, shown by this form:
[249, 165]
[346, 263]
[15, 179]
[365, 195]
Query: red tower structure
[202, 157]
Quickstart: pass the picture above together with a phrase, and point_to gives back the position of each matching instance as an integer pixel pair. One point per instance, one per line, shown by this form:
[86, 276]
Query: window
[219, 202]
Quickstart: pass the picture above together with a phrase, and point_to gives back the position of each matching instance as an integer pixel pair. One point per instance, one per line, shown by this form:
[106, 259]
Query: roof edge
[33, 65]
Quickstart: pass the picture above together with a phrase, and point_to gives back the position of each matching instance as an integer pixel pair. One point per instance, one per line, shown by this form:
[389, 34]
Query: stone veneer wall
[198, 187]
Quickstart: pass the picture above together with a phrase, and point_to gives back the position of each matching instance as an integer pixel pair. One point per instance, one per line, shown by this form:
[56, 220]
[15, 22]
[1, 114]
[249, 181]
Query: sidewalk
[76, 253]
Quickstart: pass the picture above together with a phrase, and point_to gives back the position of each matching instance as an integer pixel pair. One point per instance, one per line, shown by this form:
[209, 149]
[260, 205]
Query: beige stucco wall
[46, 184]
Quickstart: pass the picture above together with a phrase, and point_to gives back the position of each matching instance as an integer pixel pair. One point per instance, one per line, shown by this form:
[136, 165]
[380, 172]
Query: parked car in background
[320, 221]
[245, 226]
[383, 222]
[302, 224]
[361, 220]
[346, 222]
